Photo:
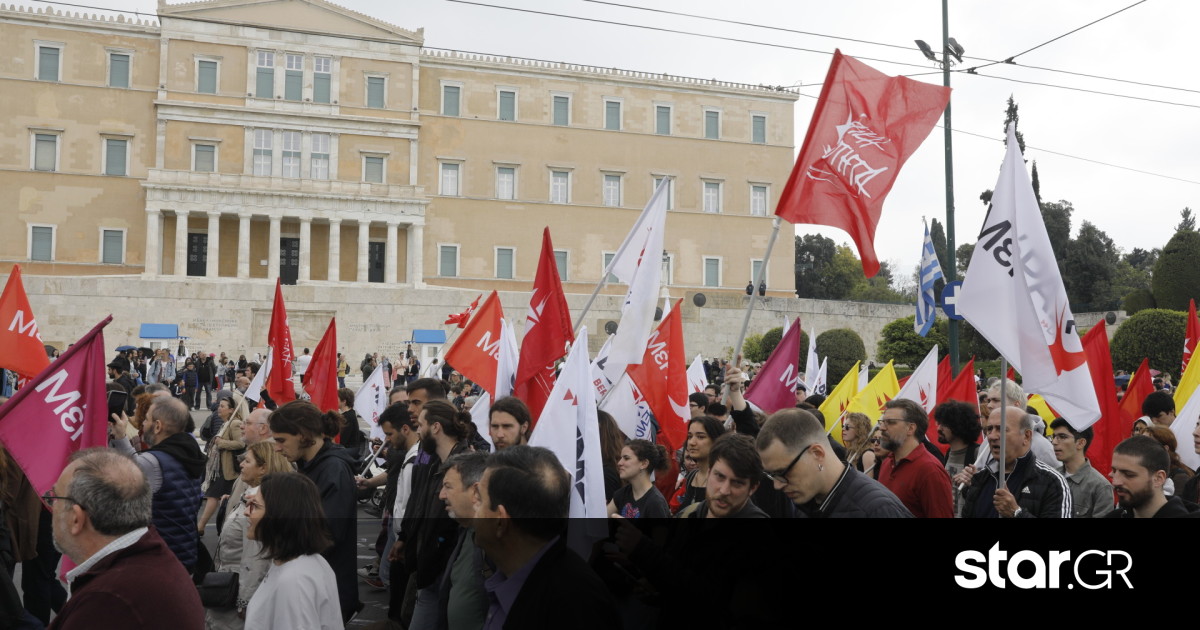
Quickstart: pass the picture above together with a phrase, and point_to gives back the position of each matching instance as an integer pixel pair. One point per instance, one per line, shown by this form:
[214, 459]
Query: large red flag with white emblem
[21, 348]
[476, 354]
[279, 339]
[547, 332]
[662, 379]
[865, 127]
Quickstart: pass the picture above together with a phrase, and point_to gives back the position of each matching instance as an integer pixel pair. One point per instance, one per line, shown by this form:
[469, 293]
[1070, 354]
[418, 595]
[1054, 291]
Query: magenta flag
[775, 386]
[58, 412]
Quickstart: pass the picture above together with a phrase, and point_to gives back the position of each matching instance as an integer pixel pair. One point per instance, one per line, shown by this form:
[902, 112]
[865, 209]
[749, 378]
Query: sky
[1151, 44]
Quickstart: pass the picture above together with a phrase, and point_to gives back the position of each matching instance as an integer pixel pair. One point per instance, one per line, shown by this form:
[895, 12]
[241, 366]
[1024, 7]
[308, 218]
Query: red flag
[21, 348]
[775, 386]
[1193, 333]
[320, 379]
[1108, 430]
[462, 318]
[60, 411]
[1136, 391]
[1012, 374]
[279, 382]
[866, 125]
[962, 389]
[944, 378]
[547, 333]
[662, 379]
[476, 354]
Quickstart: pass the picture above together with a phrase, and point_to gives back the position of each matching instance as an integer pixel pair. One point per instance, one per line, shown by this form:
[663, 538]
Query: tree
[1130, 287]
[1156, 334]
[822, 271]
[878, 288]
[1012, 115]
[842, 347]
[1037, 183]
[1187, 221]
[972, 344]
[937, 234]
[900, 343]
[1175, 279]
[1057, 217]
[1090, 266]
[752, 349]
[1137, 301]
[962, 258]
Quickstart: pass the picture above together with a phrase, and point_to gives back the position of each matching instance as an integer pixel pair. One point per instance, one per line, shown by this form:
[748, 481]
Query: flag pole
[1003, 421]
[371, 459]
[758, 277]
[587, 307]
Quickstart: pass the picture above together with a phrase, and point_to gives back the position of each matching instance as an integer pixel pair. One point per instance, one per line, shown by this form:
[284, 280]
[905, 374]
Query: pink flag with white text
[775, 386]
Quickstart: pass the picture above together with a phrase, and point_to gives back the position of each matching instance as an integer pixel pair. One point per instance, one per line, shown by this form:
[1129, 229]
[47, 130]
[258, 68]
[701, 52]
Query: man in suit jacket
[521, 518]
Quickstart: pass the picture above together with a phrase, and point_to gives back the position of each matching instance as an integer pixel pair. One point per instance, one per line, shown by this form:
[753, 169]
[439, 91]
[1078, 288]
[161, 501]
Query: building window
[115, 154]
[112, 247]
[560, 186]
[506, 183]
[373, 169]
[448, 261]
[49, 60]
[264, 76]
[118, 70]
[206, 77]
[712, 124]
[376, 87]
[45, 152]
[712, 197]
[319, 158]
[293, 77]
[504, 263]
[612, 190]
[758, 200]
[712, 272]
[758, 129]
[450, 95]
[670, 190]
[755, 265]
[291, 154]
[450, 179]
[662, 120]
[562, 110]
[608, 258]
[562, 260]
[612, 115]
[262, 151]
[322, 78]
[204, 158]
[507, 105]
[41, 242]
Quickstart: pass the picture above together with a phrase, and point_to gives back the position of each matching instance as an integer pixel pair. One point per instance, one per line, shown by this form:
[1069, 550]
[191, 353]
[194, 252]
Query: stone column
[243, 270]
[211, 270]
[181, 230]
[305, 249]
[273, 248]
[335, 250]
[364, 233]
[389, 255]
[416, 255]
[153, 262]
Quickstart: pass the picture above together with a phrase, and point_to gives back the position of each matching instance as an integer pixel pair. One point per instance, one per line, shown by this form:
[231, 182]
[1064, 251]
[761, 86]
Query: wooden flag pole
[758, 278]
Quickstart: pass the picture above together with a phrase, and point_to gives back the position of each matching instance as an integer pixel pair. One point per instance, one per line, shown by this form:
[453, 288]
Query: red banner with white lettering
[320, 379]
[476, 354]
[58, 412]
[866, 125]
[774, 387]
[547, 333]
[279, 337]
[461, 319]
[21, 348]
[662, 379]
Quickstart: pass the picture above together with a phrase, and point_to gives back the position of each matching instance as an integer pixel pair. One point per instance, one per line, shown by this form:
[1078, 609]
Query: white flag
[864, 377]
[638, 263]
[1014, 296]
[254, 391]
[569, 427]
[822, 386]
[812, 367]
[481, 417]
[630, 410]
[786, 323]
[371, 399]
[600, 380]
[1182, 427]
[921, 386]
[697, 379]
[506, 366]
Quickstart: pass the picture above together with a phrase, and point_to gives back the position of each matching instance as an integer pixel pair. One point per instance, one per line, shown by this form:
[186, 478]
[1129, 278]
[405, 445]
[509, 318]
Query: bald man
[1031, 489]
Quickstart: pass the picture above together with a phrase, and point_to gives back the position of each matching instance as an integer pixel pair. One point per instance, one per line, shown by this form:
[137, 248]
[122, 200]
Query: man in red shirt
[911, 472]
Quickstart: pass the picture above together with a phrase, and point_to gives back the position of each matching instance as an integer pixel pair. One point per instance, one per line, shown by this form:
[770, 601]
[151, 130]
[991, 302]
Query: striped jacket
[1040, 491]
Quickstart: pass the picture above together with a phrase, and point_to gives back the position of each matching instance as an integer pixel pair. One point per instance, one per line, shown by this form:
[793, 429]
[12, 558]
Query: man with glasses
[124, 573]
[697, 402]
[911, 472]
[797, 458]
[1091, 494]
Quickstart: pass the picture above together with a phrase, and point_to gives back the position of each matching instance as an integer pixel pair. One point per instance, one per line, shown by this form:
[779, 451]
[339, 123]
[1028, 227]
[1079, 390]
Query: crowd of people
[475, 535]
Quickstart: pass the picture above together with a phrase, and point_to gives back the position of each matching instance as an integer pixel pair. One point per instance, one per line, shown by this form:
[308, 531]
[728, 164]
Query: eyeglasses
[50, 498]
[781, 477]
[873, 441]
[993, 400]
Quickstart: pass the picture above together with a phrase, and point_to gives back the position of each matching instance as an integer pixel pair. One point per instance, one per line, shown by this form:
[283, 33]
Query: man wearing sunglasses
[797, 458]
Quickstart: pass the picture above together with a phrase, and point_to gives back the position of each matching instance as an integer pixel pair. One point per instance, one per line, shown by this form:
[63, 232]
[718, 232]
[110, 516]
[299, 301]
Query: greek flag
[930, 272]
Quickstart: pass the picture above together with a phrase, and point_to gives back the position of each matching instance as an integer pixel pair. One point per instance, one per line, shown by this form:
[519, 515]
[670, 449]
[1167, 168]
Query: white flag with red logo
[662, 379]
[697, 379]
[547, 332]
[921, 386]
[60, 411]
[1014, 296]
[21, 348]
[476, 353]
[638, 263]
[371, 399]
[279, 380]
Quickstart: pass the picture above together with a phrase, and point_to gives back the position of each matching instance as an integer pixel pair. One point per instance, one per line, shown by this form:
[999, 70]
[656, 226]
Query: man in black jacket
[1042, 492]
[1139, 470]
[522, 515]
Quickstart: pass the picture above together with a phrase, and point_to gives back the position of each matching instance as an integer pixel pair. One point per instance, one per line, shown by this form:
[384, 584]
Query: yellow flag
[881, 389]
[1187, 385]
[839, 399]
[1043, 408]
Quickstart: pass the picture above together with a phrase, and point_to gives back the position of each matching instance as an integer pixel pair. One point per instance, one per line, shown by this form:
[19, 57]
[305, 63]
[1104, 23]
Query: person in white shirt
[302, 364]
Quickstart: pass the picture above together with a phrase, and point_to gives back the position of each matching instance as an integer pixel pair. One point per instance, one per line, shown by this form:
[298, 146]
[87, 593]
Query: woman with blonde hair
[226, 446]
[856, 430]
[235, 552]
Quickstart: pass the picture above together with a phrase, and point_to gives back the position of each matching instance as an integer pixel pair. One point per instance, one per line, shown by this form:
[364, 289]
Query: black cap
[120, 363]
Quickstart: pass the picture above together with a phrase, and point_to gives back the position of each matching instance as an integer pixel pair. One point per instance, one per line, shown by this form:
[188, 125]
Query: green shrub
[1152, 333]
[842, 347]
[1139, 300]
[900, 343]
[1175, 279]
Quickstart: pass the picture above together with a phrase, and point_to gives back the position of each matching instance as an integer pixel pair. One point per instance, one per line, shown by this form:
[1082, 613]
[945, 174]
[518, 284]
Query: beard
[887, 442]
[1135, 499]
[429, 445]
